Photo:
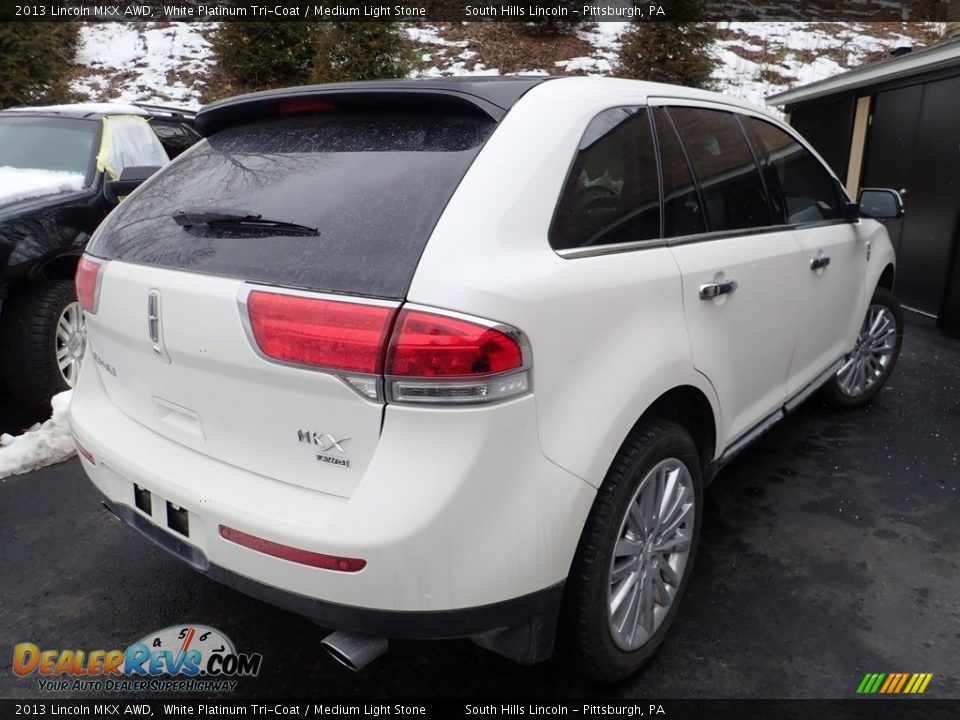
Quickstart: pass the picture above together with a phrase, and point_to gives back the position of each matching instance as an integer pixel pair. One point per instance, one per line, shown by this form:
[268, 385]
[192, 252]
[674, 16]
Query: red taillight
[88, 282]
[322, 333]
[428, 357]
[434, 346]
[285, 552]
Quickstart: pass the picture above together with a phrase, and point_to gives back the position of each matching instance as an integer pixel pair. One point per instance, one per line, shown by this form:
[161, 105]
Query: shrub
[669, 52]
[260, 55]
[348, 51]
[550, 26]
[36, 60]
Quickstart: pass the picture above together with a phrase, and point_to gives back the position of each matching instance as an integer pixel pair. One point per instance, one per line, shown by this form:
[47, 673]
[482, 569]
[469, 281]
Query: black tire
[832, 392]
[28, 351]
[585, 622]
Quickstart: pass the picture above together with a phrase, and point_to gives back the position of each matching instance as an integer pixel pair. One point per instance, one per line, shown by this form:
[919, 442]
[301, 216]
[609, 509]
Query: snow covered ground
[22, 183]
[166, 62]
[143, 62]
[43, 444]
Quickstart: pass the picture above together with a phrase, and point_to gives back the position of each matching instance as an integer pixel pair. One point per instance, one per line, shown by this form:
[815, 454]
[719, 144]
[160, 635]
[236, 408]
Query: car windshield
[52, 144]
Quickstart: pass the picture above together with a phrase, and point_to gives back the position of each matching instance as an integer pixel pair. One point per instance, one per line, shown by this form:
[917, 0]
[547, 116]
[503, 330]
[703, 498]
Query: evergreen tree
[674, 52]
[36, 59]
[261, 55]
[348, 51]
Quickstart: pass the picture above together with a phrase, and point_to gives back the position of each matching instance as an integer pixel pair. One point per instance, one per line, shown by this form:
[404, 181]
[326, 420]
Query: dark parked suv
[62, 169]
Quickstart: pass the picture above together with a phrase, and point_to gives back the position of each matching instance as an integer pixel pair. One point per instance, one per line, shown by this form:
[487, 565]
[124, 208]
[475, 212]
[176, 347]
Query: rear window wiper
[236, 219]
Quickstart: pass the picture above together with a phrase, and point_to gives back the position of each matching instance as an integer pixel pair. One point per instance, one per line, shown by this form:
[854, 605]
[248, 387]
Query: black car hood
[18, 208]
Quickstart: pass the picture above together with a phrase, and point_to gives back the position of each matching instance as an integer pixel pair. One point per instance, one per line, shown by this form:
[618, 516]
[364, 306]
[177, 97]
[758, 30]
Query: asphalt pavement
[830, 549]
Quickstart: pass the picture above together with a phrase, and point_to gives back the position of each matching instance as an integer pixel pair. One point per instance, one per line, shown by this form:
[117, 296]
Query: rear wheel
[41, 343]
[867, 367]
[636, 553]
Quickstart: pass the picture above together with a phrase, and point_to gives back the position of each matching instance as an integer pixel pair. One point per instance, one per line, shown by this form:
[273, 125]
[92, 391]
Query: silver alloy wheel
[866, 364]
[651, 554]
[71, 340]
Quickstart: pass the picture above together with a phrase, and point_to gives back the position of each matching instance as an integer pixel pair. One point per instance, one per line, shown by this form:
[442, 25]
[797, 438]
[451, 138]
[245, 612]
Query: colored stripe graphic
[894, 683]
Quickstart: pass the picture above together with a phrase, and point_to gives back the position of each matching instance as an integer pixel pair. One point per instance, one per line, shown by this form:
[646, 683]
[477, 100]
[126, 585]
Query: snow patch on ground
[22, 183]
[759, 59]
[167, 62]
[41, 445]
[141, 62]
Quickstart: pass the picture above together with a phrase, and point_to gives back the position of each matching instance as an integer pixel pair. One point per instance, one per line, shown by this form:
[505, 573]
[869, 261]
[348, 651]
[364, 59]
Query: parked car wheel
[866, 368]
[42, 342]
[636, 553]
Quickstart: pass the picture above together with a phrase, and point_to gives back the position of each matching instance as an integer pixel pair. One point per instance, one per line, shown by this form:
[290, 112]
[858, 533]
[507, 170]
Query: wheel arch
[690, 408]
[887, 277]
[59, 267]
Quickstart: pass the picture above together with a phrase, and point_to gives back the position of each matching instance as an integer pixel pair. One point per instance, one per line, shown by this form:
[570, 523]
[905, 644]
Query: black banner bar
[465, 10]
[651, 709]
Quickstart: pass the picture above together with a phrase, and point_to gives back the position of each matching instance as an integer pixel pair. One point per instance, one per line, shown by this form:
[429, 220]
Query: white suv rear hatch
[332, 208]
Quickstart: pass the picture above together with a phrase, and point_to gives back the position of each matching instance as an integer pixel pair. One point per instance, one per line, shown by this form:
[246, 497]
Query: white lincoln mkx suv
[440, 359]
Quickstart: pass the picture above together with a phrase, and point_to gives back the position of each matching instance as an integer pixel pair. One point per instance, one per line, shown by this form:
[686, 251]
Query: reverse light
[285, 552]
[87, 280]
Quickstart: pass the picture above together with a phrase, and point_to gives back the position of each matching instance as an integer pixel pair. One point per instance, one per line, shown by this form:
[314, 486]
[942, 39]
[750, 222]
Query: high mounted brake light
[306, 106]
[423, 355]
[89, 271]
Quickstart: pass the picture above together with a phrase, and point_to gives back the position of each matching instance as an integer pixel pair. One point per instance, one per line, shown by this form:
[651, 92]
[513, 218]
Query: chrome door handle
[709, 291]
[819, 262]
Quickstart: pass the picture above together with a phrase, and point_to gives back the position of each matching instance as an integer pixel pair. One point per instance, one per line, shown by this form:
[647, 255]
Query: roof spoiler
[174, 111]
[490, 99]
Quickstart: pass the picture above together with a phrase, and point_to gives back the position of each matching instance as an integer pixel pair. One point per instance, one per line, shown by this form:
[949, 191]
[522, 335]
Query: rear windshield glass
[372, 185]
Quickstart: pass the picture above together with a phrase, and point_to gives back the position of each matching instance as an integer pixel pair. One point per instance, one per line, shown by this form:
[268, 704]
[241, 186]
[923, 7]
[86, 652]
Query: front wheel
[867, 367]
[636, 553]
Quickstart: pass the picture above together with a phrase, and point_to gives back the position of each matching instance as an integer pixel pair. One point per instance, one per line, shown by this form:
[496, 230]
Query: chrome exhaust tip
[354, 651]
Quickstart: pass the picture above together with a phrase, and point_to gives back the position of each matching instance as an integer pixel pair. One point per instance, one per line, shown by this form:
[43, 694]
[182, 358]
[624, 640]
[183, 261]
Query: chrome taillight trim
[398, 388]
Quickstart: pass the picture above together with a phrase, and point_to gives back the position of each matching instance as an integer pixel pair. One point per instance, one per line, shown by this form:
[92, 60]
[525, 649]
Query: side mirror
[880, 203]
[130, 179]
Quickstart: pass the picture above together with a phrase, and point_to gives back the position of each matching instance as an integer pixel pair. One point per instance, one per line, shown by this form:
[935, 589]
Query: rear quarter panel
[607, 332]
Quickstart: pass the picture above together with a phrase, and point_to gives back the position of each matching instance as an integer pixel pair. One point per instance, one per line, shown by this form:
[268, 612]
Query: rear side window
[611, 194]
[730, 183]
[682, 213]
[801, 189]
[373, 185]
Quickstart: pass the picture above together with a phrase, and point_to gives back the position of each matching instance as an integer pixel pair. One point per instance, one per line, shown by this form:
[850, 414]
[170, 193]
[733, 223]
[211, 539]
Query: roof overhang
[492, 96]
[929, 59]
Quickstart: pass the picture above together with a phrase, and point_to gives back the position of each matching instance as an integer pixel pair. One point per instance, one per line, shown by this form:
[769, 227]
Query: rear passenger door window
[801, 188]
[682, 212]
[612, 194]
[730, 183]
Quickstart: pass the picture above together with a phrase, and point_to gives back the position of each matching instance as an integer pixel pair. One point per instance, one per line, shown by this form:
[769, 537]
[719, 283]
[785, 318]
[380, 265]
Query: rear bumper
[539, 608]
[467, 530]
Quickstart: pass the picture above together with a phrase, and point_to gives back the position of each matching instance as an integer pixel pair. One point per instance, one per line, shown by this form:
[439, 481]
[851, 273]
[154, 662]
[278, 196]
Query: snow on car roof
[101, 109]
[87, 109]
